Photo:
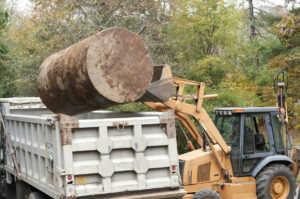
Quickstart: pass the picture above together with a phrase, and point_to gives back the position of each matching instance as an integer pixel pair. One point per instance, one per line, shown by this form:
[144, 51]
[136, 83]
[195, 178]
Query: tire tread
[263, 180]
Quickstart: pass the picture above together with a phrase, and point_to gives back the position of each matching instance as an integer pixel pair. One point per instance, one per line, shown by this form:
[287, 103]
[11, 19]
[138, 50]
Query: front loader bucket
[161, 87]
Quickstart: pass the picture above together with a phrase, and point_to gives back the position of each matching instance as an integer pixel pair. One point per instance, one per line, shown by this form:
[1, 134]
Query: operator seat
[260, 143]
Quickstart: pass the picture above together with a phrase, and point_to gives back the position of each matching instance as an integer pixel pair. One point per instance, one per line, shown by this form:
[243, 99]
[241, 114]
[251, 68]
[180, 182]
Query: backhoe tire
[275, 181]
[206, 194]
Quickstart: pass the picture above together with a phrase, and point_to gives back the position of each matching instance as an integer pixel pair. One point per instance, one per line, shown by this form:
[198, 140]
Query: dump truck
[99, 154]
[66, 149]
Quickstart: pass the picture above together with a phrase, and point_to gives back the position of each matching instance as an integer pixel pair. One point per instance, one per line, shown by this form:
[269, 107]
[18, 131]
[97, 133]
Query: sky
[20, 5]
[24, 5]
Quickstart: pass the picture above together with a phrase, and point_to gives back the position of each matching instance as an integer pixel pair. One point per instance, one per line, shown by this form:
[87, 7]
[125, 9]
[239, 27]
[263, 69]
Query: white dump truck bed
[101, 153]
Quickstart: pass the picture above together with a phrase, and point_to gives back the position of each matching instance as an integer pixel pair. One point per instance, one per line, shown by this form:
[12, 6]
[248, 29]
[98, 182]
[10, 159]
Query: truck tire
[36, 195]
[2, 186]
[275, 181]
[10, 191]
[22, 189]
[206, 194]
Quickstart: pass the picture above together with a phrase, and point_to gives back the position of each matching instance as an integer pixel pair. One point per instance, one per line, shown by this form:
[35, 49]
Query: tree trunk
[109, 68]
[252, 20]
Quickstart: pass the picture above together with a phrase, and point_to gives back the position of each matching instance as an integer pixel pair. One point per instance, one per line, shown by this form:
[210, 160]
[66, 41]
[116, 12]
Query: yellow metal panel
[240, 190]
[196, 160]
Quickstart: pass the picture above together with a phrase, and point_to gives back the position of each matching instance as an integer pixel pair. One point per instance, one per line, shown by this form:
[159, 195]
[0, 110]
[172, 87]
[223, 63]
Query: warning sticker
[80, 180]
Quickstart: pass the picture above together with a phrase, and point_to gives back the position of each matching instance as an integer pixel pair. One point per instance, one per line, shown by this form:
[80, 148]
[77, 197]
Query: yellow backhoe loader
[245, 153]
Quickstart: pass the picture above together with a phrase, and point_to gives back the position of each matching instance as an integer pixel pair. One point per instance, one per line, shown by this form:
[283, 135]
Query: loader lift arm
[183, 110]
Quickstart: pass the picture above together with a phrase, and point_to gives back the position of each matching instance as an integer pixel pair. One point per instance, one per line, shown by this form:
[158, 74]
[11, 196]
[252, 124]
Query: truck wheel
[36, 195]
[2, 185]
[275, 181]
[22, 190]
[10, 191]
[206, 194]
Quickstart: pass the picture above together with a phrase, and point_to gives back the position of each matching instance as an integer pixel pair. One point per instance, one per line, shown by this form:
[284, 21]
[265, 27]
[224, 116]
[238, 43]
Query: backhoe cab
[255, 136]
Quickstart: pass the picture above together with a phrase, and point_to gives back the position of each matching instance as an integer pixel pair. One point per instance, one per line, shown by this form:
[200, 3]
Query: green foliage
[230, 97]
[268, 19]
[201, 28]
[211, 70]
[207, 37]
[288, 30]
[211, 44]
[267, 48]
[295, 11]
[257, 54]
[7, 87]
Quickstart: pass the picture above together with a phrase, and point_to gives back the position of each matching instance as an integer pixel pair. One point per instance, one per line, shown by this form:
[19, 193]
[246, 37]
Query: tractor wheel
[206, 194]
[275, 182]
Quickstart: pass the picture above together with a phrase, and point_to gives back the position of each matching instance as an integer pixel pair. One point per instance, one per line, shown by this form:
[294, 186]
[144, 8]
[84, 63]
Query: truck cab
[257, 135]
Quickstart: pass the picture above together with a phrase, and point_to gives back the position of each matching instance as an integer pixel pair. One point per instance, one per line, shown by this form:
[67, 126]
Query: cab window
[229, 128]
[255, 137]
[276, 124]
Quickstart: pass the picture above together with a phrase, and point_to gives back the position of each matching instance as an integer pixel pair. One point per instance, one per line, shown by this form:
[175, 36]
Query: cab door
[255, 141]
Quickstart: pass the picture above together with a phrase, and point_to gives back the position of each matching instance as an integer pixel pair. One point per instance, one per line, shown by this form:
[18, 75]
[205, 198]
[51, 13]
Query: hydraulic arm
[183, 110]
[280, 89]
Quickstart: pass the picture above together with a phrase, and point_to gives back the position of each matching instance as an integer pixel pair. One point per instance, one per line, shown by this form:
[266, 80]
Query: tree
[292, 2]
[206, 36]
[288, 32]
[252, 20]
[7, 87]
